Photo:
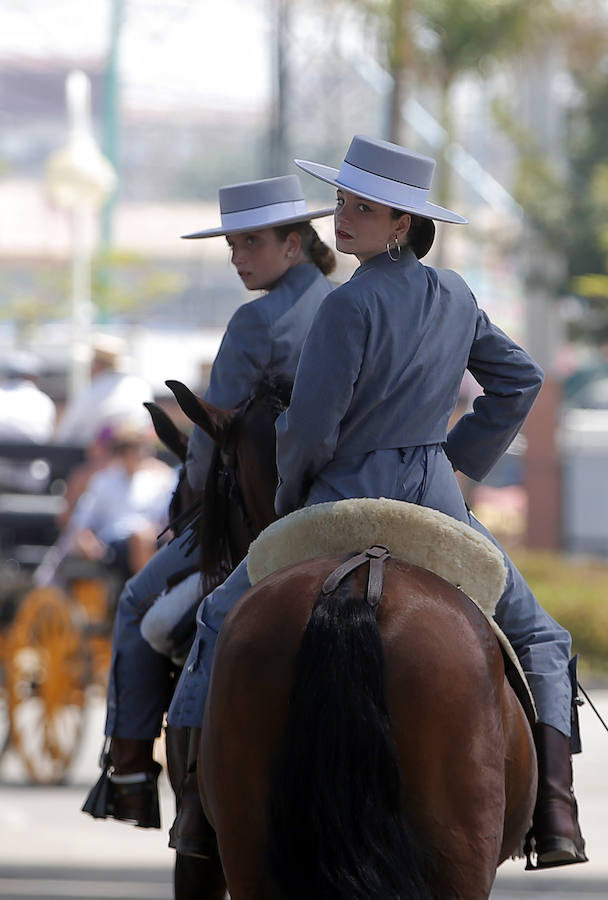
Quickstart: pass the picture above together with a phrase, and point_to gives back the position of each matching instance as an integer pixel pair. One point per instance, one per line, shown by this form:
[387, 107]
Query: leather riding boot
[127, 788]
[129, 755]
[191, 834]
[556, 837]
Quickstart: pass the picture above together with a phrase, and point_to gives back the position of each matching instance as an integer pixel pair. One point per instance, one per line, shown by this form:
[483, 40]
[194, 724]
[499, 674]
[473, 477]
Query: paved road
[84, 883]
[49, 849]
[589, 880]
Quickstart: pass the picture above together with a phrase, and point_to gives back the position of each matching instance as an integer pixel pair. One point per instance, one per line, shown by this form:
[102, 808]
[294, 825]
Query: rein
[580, 702]
[376, 556]
[227, 491]
[224, 510]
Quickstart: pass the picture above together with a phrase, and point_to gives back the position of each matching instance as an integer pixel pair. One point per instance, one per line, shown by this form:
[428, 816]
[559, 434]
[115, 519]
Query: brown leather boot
[556, 837]
[127, 788]
[191, 834]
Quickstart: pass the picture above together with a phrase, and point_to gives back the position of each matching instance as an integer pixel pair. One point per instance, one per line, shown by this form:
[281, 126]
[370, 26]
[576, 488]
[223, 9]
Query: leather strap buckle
[376, 556]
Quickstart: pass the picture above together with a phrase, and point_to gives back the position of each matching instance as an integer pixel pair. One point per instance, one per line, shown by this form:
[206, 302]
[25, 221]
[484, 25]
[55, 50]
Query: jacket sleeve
[308, 431]
[510, 380]
[245, 350]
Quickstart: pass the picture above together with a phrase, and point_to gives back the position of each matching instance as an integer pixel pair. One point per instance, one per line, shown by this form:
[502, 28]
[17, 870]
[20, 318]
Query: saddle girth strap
[376, 556]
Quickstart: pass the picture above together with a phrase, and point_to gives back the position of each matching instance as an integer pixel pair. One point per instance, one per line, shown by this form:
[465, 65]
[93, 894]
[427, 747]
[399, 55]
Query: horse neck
[256, 470]
[256, 462]
[240, 490]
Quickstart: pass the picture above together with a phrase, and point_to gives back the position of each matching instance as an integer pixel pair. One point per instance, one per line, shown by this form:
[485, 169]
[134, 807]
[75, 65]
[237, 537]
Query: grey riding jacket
[387, 353]
[263, 335]
[377, 381]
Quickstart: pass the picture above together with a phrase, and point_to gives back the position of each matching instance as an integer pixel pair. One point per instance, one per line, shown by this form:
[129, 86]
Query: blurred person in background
[274, 249]
[112, 397]
[97, 456]
[124, 505]
[26, 413]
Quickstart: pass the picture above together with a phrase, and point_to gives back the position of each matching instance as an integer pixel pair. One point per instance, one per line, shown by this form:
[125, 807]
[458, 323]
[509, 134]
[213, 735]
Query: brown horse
[194, 879]
[354, 752]
[350, 751]
[346, 755]
[239, 497]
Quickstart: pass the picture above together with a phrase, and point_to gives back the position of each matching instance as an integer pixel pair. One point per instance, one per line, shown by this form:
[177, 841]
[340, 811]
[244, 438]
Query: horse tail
[335, 826]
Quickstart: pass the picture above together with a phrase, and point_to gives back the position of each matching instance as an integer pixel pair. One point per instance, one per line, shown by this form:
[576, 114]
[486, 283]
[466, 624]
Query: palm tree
[440, 41]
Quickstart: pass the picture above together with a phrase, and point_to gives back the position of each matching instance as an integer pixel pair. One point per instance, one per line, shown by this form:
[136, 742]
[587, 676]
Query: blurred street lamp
[79, 178]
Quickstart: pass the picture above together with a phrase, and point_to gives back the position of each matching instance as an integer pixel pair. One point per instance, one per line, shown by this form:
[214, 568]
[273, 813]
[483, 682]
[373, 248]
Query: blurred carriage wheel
[96, 601]
[4, 721]
[46, 675]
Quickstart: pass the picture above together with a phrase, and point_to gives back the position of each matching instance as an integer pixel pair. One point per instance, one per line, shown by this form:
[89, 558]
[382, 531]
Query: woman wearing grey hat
[382, 431]
[274, 248]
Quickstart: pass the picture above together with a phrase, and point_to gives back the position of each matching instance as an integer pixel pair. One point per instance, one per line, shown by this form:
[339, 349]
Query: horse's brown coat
[467, 756]
[466, 750]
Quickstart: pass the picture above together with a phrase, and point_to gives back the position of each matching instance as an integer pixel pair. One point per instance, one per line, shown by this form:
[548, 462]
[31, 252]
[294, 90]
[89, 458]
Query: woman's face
[260, 257]
[364, 228]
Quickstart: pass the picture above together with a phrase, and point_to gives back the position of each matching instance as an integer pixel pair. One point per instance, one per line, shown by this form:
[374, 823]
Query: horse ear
[211, 419]
[167, 431]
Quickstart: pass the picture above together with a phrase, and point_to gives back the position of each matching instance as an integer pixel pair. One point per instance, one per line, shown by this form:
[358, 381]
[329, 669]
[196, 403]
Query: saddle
[418, 535]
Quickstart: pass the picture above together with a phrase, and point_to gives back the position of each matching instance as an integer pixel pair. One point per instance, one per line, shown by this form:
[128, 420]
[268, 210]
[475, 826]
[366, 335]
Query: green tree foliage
[573, 591]
[122, 283]
[568, 208]
[125, 282]
[567, 203]
[471, 36]
[441, 41]
[587, 217]
[37, 293]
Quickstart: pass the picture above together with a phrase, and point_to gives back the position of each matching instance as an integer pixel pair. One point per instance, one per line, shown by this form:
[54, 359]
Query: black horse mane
[274, 391]
[273, 394]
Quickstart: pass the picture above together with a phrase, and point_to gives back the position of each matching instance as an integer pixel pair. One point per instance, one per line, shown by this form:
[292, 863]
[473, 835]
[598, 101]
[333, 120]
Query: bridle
[228, 482]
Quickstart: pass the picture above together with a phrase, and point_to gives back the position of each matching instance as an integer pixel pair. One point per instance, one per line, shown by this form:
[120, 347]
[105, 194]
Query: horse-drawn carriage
[54, 633]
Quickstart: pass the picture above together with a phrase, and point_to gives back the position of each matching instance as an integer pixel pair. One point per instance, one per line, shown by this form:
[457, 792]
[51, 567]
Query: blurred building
[172, 155]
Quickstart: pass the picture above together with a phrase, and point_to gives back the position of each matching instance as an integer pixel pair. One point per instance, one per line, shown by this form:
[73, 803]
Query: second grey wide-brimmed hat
[387, 173]
[261, 204]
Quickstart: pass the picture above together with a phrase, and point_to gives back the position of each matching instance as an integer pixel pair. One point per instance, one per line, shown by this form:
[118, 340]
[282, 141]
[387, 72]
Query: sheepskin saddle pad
[421, 536]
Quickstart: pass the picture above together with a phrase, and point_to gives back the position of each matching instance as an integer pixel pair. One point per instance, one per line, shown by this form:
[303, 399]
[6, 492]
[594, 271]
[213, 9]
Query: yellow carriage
[55, 637]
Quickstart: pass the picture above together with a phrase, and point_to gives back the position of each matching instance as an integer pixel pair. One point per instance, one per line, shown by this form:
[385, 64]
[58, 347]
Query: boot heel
[558, 851]
[556, 838]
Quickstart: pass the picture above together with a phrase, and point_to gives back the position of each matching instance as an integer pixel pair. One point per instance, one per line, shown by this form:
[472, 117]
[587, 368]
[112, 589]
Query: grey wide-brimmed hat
[261, 204]
[387, 173]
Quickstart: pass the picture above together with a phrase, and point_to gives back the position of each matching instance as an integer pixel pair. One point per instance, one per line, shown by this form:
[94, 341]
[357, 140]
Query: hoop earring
[397, 247]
